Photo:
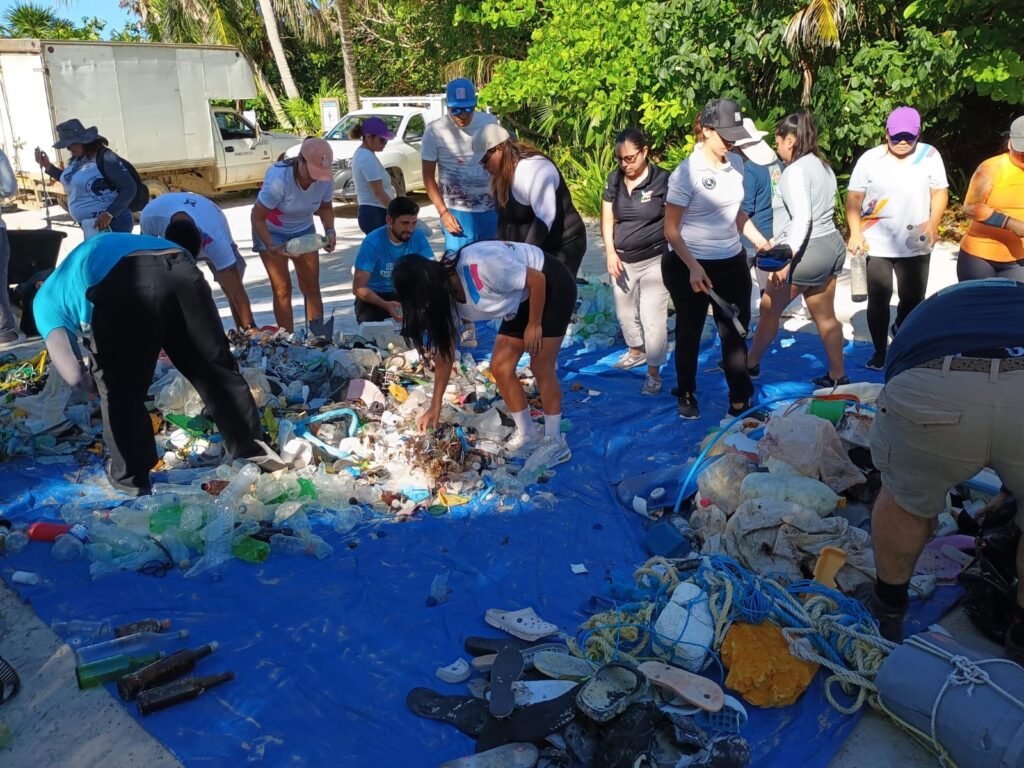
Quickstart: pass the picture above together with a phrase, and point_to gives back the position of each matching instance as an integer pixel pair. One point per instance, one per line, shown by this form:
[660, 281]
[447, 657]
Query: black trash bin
[32, 251]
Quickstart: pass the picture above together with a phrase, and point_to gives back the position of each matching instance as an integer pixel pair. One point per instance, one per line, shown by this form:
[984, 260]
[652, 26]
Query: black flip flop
[530, 724]
[467, 713]
[508, 666]
[484, 646]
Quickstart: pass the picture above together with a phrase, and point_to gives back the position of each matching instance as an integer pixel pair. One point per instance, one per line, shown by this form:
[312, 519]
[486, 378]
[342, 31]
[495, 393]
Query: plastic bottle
[16, 541]
[134, 644]
[157, 502]
[105, 670]
[250, 550]
[170, 694]
[151, 557]
[310, 544]
[162, 671]
[347, 519]
[438, 589]
[79, 632]
[164, 519]
[272, 492]
[121, 540]
[68, 546]
[305, 244]
[44, 531]
[858, 276]
[25, 577]
[219, 532]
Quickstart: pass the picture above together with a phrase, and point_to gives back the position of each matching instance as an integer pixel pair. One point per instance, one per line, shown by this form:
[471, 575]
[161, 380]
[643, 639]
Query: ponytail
[801, 125]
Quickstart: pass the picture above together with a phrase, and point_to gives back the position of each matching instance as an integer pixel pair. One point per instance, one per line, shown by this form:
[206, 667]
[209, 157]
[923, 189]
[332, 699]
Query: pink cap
[319, 157]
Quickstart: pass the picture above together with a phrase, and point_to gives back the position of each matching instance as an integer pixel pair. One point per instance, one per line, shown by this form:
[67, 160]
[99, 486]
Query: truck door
[413, 137]
[247, 154]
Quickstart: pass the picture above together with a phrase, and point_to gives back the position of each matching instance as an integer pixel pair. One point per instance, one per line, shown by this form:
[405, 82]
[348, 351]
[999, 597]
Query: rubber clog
[524, 624]
[610, 691]
[505, 756]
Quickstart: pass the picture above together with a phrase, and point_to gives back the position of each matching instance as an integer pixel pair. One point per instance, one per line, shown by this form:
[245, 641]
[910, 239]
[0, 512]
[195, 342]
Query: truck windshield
[340, 132]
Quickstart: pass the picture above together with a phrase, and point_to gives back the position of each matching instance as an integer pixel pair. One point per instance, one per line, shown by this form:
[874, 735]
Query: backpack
[141, 198]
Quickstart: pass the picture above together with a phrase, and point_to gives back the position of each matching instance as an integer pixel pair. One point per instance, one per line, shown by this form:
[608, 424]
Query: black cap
[726, 117]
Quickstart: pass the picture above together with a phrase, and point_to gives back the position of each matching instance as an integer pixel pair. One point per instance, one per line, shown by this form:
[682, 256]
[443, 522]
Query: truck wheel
[398, 180]
[156, 188]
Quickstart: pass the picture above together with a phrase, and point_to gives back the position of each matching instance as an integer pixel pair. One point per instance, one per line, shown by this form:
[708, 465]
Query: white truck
[151, 101]
[407, 117]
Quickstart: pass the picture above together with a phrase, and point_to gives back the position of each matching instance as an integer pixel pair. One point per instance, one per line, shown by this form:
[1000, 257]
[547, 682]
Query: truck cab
[244, 151]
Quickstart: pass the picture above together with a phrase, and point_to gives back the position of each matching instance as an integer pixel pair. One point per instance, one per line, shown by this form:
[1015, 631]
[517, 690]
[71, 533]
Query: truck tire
[398, 180]
[156, 188]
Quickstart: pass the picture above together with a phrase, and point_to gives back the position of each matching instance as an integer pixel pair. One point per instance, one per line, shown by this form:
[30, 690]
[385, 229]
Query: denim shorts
[280, 238]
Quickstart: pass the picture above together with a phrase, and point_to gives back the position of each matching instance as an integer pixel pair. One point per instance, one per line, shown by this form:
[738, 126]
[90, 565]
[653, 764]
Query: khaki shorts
[937, 428]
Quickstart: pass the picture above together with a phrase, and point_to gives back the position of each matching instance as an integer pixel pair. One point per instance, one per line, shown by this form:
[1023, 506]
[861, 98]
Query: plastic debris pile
[594, 323]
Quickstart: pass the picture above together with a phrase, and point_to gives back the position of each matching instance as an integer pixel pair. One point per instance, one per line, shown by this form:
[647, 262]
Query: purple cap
[903, 120]
[374, 126]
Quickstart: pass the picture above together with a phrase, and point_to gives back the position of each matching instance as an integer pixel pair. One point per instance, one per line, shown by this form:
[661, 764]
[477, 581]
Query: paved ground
[55, 724]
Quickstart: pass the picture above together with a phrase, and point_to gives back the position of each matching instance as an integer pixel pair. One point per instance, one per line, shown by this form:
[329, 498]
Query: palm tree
[31, 20]
[812, 32]
[274, 38]
[348, 56]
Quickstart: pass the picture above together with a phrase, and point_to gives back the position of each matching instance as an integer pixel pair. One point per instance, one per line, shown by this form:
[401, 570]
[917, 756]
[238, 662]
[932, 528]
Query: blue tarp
[325, 651]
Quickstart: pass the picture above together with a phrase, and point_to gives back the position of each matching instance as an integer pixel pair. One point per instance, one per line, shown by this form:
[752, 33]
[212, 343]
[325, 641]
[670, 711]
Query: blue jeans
[476, 225]
[371, 217]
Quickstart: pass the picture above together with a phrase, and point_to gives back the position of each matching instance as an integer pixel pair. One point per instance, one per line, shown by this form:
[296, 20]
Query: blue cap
[461, 93]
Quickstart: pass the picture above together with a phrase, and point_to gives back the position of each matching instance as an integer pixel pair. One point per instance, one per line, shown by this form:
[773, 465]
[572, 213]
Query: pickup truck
[154, 103]
[407, 117]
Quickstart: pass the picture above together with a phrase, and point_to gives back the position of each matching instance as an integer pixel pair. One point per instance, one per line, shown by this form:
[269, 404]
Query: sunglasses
[461, 110]
[487, 156]
[904, 137]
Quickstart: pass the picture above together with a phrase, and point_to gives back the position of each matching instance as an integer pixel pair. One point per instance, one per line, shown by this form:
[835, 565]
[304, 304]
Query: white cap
[491, 136]
[755, 149]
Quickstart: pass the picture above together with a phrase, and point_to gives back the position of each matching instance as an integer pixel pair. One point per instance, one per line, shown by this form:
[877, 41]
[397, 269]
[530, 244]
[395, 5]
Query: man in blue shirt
[130, 296]
[371, 283]
[953, 404]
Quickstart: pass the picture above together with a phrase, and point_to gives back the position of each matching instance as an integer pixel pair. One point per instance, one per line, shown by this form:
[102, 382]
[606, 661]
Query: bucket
[32, 250]
[832, 410]
[979, 726]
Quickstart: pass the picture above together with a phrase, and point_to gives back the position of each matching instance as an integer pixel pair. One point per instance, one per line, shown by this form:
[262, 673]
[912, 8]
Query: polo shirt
[639, 231]
[977, 318]
[712, 197]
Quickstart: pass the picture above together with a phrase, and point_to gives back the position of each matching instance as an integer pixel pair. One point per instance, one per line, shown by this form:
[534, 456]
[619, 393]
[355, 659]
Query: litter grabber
[731, 311]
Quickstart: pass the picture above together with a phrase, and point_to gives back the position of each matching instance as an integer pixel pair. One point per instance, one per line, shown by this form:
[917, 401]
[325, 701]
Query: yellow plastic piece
[398, 392]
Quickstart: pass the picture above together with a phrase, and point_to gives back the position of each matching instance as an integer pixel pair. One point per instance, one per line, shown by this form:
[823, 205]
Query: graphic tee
[493, 275]
[291, 207]
[465, 185]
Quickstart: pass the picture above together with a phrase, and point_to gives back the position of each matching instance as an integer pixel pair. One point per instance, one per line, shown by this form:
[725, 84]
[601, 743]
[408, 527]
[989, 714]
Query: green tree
[28, 19]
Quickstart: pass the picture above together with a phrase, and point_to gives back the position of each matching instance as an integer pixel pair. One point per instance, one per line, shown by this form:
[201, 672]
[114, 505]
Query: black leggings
[971, 267]
[912, 277]
[731, 280]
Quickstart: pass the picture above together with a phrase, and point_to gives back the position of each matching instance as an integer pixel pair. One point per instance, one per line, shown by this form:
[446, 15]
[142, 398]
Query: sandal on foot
[508, 666]
[529, 724]
[466, 713]
[612, 688]
[524, 624]
[687, 686]
[507, 756]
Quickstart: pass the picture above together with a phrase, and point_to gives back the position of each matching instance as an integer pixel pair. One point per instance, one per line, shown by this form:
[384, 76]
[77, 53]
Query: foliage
[586, 174]
[305, 113]
[28, 19]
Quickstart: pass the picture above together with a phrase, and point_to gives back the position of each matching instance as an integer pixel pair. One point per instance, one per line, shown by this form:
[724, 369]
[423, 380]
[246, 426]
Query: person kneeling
[371, 283]
[534, 293]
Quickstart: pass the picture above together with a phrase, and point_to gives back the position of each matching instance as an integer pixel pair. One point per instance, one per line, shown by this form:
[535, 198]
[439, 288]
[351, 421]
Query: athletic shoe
[889, 618]
[688, 408]
[652, 385]
[876, 362]
[631, 360]
[550, 452]
[521, 443]
[827, 382]
[753, 371]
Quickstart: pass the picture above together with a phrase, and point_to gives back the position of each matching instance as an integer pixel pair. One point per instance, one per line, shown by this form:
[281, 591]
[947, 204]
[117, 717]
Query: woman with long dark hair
[533, 201]
[804, 220]
[490, 279]
[293, 190]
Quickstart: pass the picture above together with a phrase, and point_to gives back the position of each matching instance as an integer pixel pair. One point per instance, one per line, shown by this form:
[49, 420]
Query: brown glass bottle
[162, 671]
[142, 625]
[170, 694]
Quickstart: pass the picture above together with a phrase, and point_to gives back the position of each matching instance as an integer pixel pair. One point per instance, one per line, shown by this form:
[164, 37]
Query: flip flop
[524, 624]
[489, 646]
[687, 686]
[484, 663]
[529, 692]
[508, 666]
[506, 756]
[529, 724]
[563, 666]
[466, 713]
[610, 691]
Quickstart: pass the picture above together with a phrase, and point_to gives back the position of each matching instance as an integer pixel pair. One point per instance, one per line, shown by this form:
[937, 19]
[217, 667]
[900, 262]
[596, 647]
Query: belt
[978, 364]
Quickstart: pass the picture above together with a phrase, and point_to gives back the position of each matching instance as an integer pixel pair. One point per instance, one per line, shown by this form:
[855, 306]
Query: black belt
[978, 364]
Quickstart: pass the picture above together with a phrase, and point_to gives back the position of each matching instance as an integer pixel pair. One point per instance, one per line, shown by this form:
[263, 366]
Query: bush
[586, 172]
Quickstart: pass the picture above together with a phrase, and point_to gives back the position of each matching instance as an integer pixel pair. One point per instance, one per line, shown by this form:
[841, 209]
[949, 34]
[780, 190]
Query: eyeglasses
[461, 110]
[487, 156]
[627, 159]
[904, 137]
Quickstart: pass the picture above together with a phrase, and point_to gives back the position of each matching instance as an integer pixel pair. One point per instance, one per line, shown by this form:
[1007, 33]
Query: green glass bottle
[106, 670]
[251, 550]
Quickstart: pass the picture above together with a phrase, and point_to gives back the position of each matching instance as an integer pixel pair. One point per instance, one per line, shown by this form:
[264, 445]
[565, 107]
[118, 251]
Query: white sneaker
[631, 359]
[652, 385]
[521, 443]
[551, 452]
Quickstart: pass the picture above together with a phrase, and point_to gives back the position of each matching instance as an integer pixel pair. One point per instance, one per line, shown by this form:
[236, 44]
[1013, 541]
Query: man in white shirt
[457, 186]
[218, 248]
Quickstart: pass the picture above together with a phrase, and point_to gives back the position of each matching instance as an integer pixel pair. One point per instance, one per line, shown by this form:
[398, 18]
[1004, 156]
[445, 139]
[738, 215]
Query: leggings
[971, 267]
[731, 280]
[912, 277]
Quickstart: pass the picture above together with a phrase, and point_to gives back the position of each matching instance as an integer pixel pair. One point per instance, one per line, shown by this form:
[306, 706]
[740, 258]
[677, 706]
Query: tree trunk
[808, 77]
[274, 36]
[348, 56]
[275, 103]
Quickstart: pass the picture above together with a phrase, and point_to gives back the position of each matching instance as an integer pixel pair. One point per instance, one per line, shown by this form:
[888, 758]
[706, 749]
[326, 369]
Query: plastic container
[831, 410]
[685, 630]
[720, 481]
[298, 246]
[44, 531]
[347, 519]
[858, 277]
[439, 589]
[15, 541]
[69, 546]
[135, 644]
[26, 578]
[668, 538]
[309, 544]
[219, 532]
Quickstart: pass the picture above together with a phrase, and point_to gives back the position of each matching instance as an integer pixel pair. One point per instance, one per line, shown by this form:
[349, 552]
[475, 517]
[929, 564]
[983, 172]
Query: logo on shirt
[708, 181]
[646, 196]
[471, 275]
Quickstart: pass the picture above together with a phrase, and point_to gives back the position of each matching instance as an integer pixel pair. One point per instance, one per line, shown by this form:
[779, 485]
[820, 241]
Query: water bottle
[297, 246]
[308, 544]
[68, 546]
[347, 519]
[79, 632]
[16, 541]
[132, 645]
[219, 532]
[858, 276]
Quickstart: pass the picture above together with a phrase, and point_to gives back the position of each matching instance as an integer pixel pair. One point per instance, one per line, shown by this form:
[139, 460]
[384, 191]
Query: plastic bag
[811, 446]
[175, 394]
[720, 482]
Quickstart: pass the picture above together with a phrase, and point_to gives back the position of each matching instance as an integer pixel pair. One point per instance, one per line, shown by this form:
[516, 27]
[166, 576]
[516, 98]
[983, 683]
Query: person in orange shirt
[994, 243]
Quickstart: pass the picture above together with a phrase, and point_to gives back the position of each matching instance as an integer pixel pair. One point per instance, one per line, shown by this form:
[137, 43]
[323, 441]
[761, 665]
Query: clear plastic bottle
[347, 518]
[305, 244]
[132, 562]
[132, 645]
[69, 546]
[16, 541]
[219, 532]
[310, 544]
[858, 276]
[80, 632]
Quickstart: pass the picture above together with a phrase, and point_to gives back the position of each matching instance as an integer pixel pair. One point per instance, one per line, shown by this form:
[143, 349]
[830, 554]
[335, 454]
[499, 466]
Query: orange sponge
[761, 668]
